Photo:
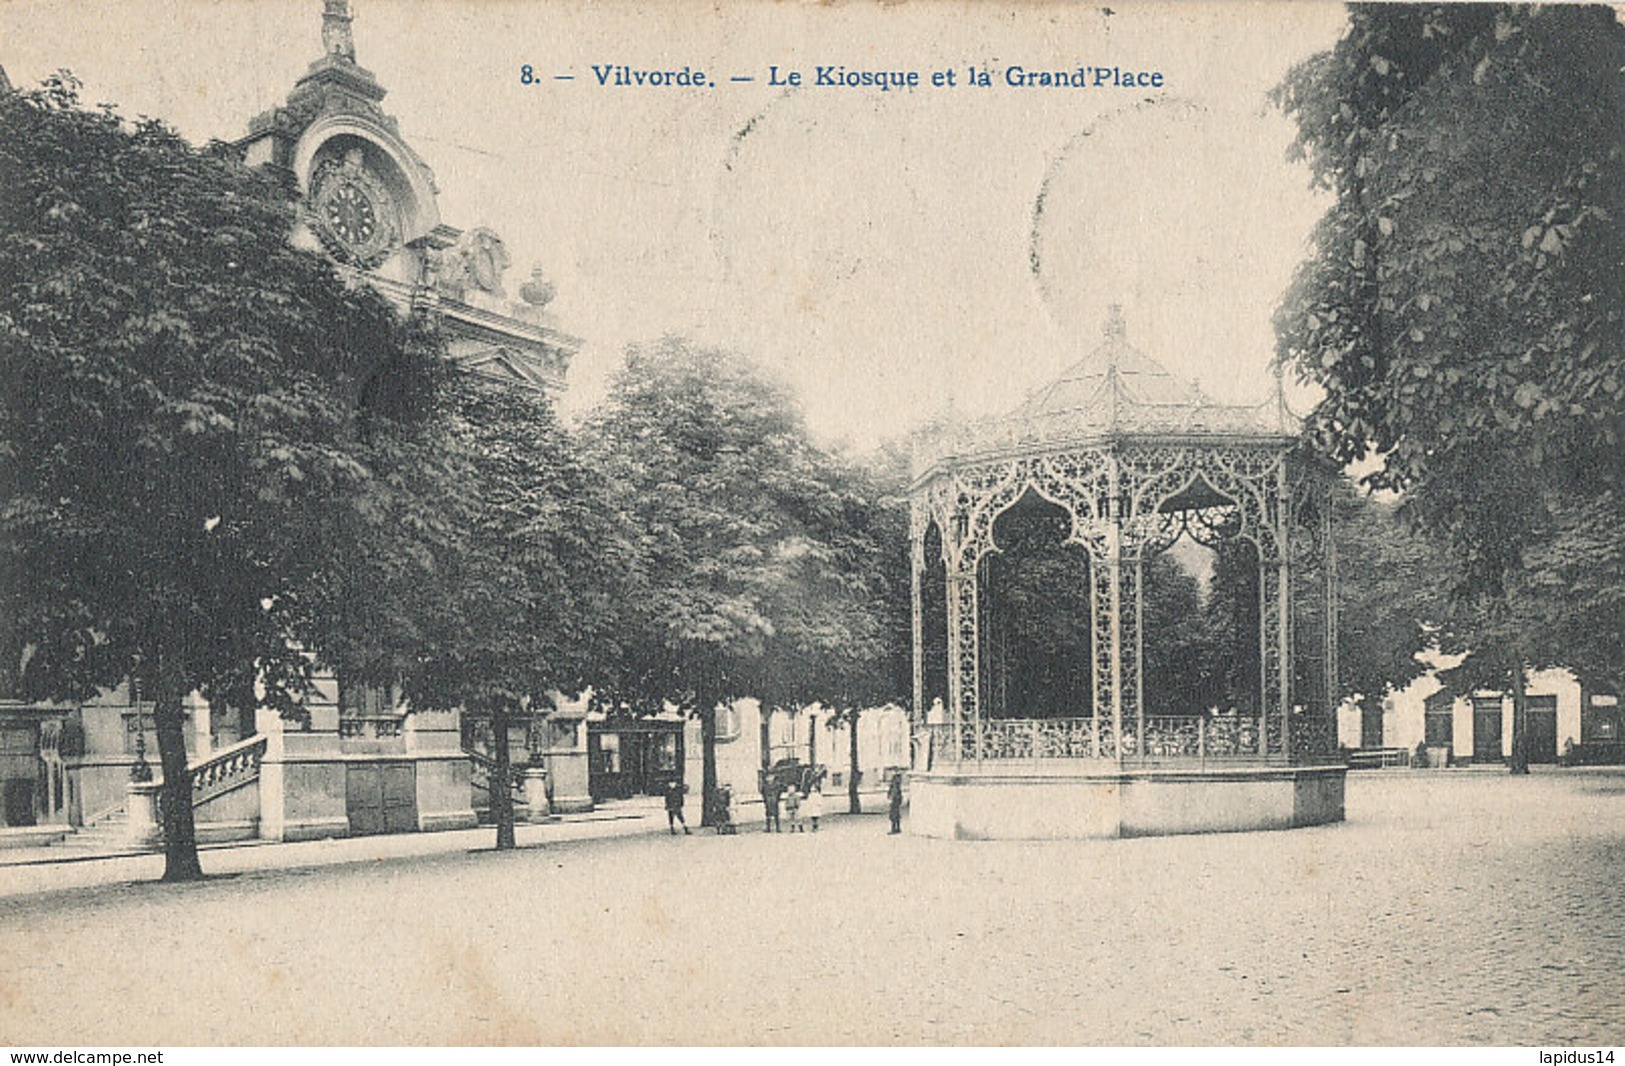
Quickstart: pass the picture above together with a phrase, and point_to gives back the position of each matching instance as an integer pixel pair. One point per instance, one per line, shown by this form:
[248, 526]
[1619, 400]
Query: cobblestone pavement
[1452, 908]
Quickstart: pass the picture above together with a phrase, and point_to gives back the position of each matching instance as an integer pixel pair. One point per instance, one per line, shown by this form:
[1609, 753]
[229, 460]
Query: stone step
[110, 835]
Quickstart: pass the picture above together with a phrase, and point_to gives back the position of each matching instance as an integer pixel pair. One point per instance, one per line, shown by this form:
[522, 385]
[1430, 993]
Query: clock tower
[364, 762]
[368, 201]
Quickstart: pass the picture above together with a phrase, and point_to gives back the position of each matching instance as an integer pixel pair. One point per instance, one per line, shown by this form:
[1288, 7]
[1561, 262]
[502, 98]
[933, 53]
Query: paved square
[1452, 908]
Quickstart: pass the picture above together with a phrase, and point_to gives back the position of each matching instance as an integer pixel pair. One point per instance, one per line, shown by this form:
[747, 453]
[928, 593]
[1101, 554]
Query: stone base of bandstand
[1016, 803]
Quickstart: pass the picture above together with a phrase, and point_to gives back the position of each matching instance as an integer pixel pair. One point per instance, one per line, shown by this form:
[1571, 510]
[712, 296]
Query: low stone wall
[233, 815]
[1051, 806]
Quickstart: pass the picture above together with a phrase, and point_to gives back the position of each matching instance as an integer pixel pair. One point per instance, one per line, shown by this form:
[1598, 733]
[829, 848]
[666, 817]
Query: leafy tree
[1462, 311]
[1563, 606]
[526, 593]
[180, 434]
[859, 657]
[1230, 612]
[1036, 618]
[735, 516]
[1392, 595]
[1180, 651]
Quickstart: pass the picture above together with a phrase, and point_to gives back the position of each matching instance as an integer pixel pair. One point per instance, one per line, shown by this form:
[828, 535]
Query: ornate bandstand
[1135, 459]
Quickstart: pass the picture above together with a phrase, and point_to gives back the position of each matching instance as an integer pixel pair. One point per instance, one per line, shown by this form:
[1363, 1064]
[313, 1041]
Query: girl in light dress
[812, 808]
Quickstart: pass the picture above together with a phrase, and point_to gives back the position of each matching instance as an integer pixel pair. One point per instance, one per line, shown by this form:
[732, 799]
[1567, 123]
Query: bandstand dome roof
[1114, 375]
[1115, 391]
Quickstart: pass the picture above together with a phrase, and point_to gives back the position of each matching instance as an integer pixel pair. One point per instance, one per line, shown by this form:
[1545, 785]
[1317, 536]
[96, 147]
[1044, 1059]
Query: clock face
[352, 212]
[351, 215]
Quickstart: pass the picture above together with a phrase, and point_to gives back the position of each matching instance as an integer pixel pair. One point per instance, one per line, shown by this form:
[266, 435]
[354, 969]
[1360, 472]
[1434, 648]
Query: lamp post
[140, 770]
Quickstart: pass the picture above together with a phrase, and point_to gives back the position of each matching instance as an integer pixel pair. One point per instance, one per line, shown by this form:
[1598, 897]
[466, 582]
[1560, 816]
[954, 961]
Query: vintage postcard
[1035, 255]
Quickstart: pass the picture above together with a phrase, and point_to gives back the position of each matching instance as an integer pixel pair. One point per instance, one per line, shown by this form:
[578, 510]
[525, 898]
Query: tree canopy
[1462, 310]
[182, 442]
[1464, 292]
[525, 595]
[756, 549]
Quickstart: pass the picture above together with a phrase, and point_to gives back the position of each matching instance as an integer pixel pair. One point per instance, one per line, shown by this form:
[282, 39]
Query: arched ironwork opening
[1080, 493]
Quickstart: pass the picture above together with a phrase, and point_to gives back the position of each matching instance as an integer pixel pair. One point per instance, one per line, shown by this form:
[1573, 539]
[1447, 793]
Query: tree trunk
[853, 805]
[501, 780]
[175, 797]
[1520, 721]
[766, 732]
[708, 762]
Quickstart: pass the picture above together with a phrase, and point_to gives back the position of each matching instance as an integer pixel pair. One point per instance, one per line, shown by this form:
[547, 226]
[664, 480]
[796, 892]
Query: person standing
[674, 806]
[792, 807]
[813, 807]
[770, 805]
[895, 802]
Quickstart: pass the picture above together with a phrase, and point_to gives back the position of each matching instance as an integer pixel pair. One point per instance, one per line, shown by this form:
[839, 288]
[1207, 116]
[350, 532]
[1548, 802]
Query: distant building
[805, 735]
[1568, 722]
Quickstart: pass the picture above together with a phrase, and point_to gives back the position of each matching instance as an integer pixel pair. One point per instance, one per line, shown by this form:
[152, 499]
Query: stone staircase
[109, 836]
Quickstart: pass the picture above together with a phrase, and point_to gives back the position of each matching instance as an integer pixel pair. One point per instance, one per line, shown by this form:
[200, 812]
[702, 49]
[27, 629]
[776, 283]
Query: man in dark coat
[674, 805]
[896, 800]
[770, 805]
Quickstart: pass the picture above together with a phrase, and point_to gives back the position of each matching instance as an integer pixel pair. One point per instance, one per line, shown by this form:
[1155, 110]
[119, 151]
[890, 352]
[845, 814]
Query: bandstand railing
[1158, 740]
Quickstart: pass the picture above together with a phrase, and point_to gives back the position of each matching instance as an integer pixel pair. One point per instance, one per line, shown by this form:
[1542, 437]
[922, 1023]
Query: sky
[892, 254]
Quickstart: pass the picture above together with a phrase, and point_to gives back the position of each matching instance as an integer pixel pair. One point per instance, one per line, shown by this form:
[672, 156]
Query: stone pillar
[303, 775]
[141, 814]
[202, 726]
[531, 805]
[565, 759]
[434, 740]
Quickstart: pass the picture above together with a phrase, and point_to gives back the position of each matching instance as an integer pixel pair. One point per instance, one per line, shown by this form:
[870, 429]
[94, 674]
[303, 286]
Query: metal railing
[1153, 740]
[371, 727]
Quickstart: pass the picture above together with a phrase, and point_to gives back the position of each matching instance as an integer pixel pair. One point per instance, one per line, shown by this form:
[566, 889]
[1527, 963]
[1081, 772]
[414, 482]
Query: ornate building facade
[361, 762]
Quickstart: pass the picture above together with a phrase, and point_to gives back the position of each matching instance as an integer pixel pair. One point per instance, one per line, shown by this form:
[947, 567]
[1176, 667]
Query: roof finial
[1115, 328]
[336, 38]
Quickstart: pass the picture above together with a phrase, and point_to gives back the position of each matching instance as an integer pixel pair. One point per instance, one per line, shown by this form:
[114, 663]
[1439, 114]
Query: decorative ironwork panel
[1231, 735]
[966, 501]
[1246, 475]
[1103, 620]
[1272, 642]
[1167, 737]
[1063, 738]
[1106, 745]
[1132, 617]
[1314, 737]
[1007, 739]
[1174, 737]
[963, 654]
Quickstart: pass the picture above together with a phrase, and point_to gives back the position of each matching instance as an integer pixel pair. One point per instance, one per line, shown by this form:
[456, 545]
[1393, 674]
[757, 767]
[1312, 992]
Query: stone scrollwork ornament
[477, 261]
[487, 259]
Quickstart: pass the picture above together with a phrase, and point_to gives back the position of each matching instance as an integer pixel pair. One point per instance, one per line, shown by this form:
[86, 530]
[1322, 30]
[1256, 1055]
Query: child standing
[792, 807]
[814, 806]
